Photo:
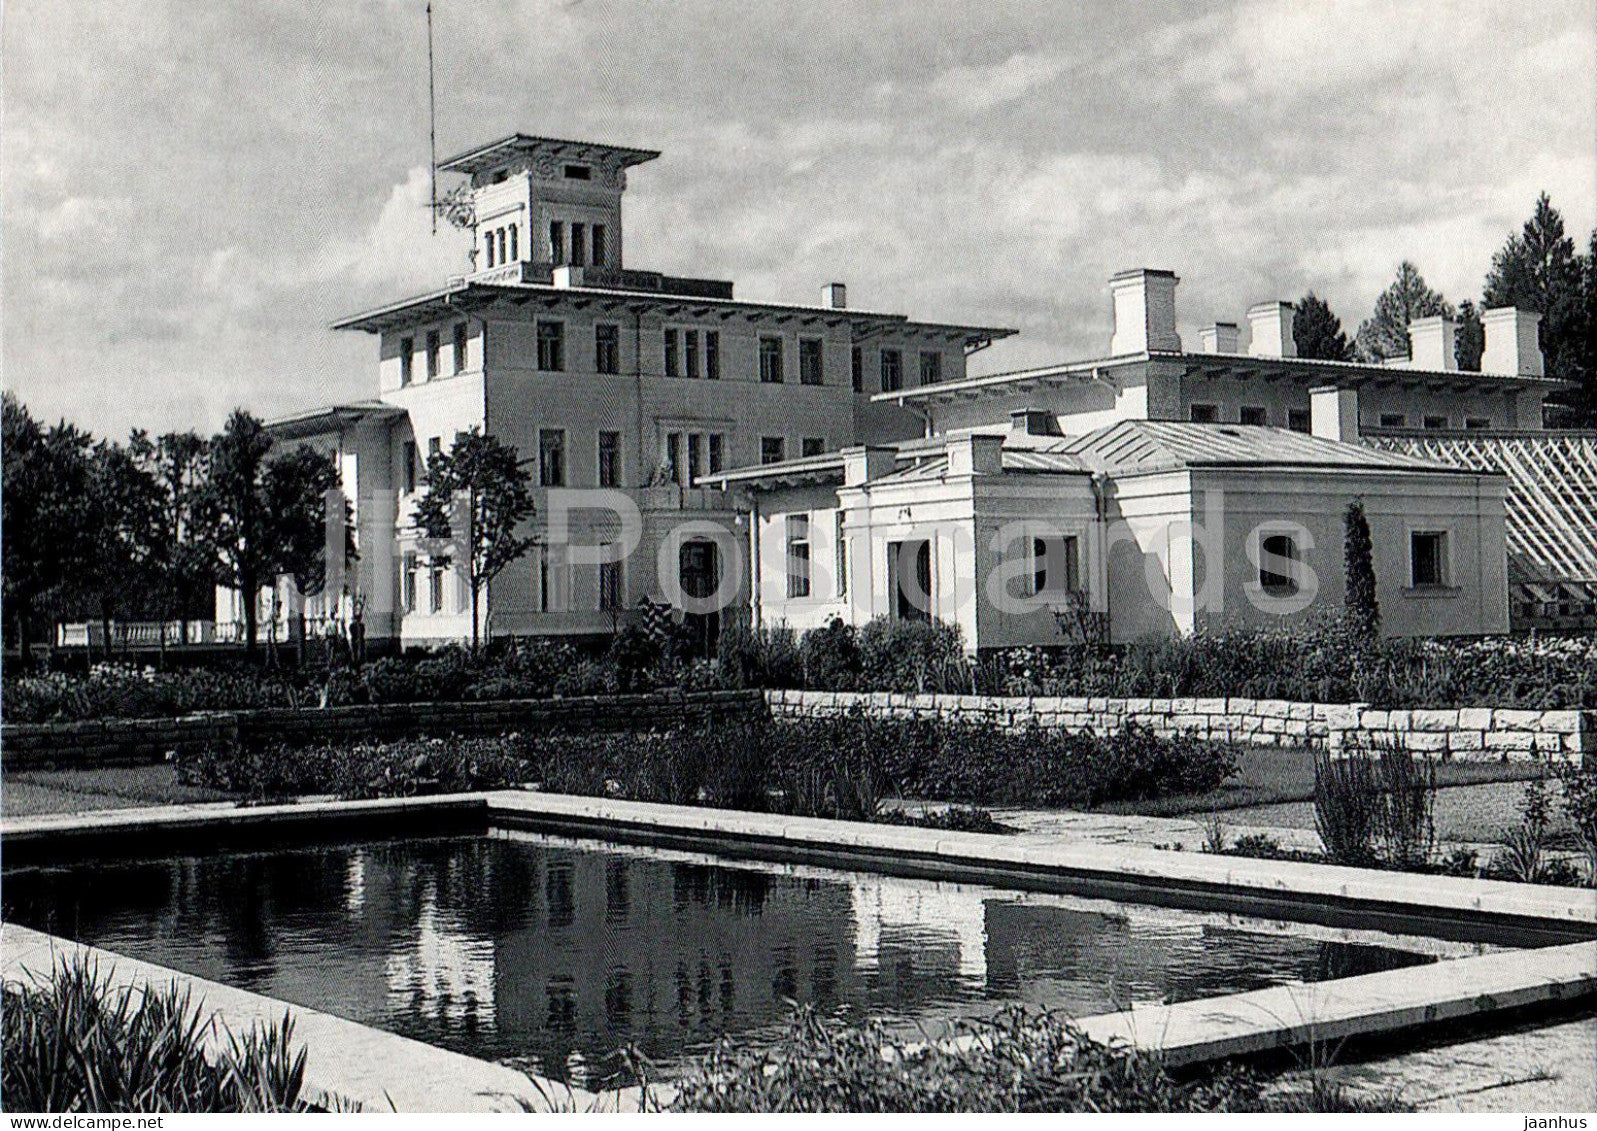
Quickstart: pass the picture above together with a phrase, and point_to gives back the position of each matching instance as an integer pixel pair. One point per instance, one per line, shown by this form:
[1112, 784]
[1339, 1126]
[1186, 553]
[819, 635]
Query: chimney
[1033, 422]
[1431, 342]
[975, 454]
[1512, 345]
[1144, 310]
[1270, 330]
[861, 465]
[1334, 413]
[835, 296]
[1222, 337]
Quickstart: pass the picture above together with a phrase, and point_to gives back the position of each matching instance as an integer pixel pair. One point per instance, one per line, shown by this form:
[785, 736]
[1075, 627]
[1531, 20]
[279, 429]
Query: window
[552, 457]
[1056, 566]
[1203, 413]
[435, 588]
[461, 332]
[540, 579]
[1435, 423]
[407, 581]
[673, 456]
[712, 355]
[814, 445]
[607, 348]
[1393, 420]
[840, 545]
[410, 467]
[931, 367]
[717, 452]
[695, 445]
[810, 361]
[1255, 414]
[1476, 423]
[609, 459]
[1299, 420]
[434, 354]
[407, 350]
[552, 346]
[857, 369]
[1427, 558]
[579, 245]
[488, 244]
[578, 173]
[599, 250]
[502, 256]
[1273, 550]
[557, 243]
[612, 593]
[798, 555]
[515, 252]
[771, 360]
[892, 371]
[672, 359]
[690, 352]
[435, 448]
[772, 449]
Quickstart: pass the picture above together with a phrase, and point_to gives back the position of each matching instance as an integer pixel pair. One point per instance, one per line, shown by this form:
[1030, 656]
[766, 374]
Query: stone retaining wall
[1471, 734]
[136, 741]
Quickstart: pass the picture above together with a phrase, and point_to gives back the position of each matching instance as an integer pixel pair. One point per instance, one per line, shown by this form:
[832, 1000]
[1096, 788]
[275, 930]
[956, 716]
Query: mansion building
[818, 461]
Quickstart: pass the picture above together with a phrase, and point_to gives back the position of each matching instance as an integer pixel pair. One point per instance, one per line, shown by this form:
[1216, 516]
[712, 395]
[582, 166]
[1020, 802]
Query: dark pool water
[560, 954]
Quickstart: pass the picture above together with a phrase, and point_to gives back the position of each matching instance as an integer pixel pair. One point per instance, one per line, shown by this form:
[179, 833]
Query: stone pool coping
[373, 1068]
[346, 1062]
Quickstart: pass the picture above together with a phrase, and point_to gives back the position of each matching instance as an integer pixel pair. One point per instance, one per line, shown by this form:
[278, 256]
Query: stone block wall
[1472, 734]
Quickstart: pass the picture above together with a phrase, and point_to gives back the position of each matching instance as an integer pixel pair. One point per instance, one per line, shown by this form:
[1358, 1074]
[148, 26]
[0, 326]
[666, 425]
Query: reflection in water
[502, 948]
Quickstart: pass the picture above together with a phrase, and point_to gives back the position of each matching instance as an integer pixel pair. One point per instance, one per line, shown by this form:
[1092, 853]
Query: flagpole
[432, 122]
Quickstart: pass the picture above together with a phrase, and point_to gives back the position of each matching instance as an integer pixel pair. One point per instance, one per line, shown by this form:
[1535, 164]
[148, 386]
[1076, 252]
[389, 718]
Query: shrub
[913, 656]
[77, 1044]
[1016, 1061]
[1375, 810]
[758, 657]
[1580, 807]
[831, 657]
[397, 769]
[1346, 807]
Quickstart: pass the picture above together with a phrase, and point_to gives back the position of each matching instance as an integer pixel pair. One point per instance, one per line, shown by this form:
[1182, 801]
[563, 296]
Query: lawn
[107, 787]
[1272, 777]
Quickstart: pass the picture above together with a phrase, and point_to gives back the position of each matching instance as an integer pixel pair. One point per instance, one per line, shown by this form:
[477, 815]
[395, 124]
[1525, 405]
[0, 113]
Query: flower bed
[840, 767]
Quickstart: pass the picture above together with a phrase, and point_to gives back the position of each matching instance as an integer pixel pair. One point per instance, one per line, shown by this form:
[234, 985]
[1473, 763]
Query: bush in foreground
[78, 1044]
[1018, 1061]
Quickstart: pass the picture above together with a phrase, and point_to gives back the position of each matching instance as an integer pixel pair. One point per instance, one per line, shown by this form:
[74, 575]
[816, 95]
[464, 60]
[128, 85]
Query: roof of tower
[506, 149]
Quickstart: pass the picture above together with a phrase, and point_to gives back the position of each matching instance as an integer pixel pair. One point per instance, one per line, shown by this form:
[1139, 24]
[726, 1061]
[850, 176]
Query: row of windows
[548, 584]
[587, 244]
[1427, 558]
[1433, 423]
[1299, 419]
[434, 355]
[500, 245]
[697, 353]
[688, 454]
[773, 449]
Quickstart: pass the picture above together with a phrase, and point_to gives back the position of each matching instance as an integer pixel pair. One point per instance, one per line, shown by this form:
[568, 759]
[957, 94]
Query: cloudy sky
[194, 190]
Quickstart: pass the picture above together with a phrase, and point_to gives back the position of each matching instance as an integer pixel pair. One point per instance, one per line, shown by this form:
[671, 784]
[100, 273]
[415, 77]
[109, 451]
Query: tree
[1317, 332]
[177, 463]
[295, 487]
[1540, 269]
[1471, 340]
[44, 495]
[116, 573]
[476, 499]
[1385, 333]
[1358, 554]
[260, 515]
